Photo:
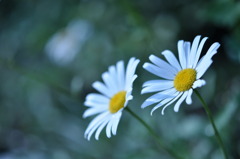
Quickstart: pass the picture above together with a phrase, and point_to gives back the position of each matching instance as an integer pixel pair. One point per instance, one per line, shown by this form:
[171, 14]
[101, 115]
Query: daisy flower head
[114, 93]
[178, 78]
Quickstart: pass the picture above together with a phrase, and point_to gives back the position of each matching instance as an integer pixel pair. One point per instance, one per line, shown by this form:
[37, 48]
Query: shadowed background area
[52, 51]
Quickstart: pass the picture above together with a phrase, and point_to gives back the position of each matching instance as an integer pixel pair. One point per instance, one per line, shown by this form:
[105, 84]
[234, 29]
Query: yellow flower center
[117, 102]
[184, 79]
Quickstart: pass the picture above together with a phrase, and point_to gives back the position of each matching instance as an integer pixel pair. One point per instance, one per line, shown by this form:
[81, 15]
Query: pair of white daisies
[177, 80]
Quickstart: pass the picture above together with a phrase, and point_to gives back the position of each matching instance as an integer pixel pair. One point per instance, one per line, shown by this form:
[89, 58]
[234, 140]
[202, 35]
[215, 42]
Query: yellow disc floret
[117, 102]
[184, 79]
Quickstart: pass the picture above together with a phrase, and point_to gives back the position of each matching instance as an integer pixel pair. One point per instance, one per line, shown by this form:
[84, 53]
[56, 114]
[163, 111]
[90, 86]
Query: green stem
[210, 117]
[159, 141]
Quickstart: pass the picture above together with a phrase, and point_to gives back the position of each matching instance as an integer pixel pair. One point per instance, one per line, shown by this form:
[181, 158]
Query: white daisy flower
[114, 95]
[178, 78]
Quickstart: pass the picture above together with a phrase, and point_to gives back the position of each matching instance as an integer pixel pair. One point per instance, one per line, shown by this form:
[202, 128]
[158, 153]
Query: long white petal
[94, 104]
[155, 98]
[172, 101]
[113, 78]
[157, 87]
[109, 127]
[182, 54]
[187, 52]
[179, 102]
[199, 50]
[88, 135]
[96, 120]
[172, 92]
[100, 129]
[171, 59]
[100, 87]
[162, 64]
[97, 98]
[153, 82]
[93, 111]
[121, 74]
[193, 50]
[158, 71]
[116, 122]
[208, 57]
[202, 67]
[130, 71]
[129, 83]
[212, 50]
[95, 124]
[166, 101]
[110, 83]
[160, 104]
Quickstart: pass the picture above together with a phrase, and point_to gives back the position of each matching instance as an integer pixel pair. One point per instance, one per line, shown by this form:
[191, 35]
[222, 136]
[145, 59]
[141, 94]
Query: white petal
[208, 57]
[157, 87]
[129, 83]
[133, 79]
[172, 101]
[166, 101]
[202, 67]
[94, 104]
[212, 50]
[170, 92]
[100, 87]
[172, 59]
[128, 96]
[158, 71]
[94, 124]
[130, 71]
[155, 98]
[93, 111]
[179, 102]
[199, 50]
[162, 64]
[153, 82]
[149, 102]
[182, 54]
[160, 104]
[187, 52]
[109, 127]
[98, 98]
[198, 83]
[95, 121]
[131, 68]
[116, 122]
[110, 83]
[121, 74]
[193, 51]
[100, 129]
[113, 78]
[189, 99]
[88, 135]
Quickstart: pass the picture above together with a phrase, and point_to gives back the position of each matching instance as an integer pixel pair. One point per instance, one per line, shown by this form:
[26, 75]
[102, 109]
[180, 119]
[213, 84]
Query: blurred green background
[51, 51]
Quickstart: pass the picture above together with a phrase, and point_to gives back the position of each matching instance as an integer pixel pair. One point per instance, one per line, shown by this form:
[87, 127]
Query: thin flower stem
[159, 141]
[219, 139]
